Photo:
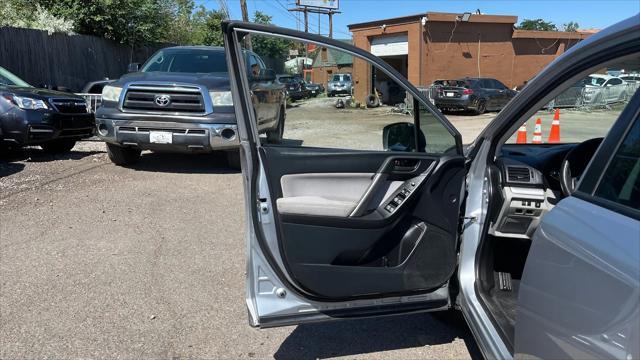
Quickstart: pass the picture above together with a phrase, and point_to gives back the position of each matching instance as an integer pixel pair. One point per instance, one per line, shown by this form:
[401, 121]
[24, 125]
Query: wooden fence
[65, 60]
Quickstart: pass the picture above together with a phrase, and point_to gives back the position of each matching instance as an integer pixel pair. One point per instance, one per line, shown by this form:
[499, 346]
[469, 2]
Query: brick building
[430, 46]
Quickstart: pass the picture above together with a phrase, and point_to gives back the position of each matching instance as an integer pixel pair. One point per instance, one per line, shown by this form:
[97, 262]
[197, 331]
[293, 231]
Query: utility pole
[306, 20]
[245, 17]
[331, 24]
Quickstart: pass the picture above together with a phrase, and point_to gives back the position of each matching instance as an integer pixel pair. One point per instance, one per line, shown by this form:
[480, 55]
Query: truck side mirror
[133, 67]
[265, 75]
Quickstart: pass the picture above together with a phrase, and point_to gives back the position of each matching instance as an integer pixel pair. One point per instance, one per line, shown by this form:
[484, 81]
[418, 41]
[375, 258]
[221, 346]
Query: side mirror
[399, 136]
[265, 75]
[133, 67]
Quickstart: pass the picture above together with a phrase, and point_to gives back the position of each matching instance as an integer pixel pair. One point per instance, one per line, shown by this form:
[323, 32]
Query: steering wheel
[574, 164]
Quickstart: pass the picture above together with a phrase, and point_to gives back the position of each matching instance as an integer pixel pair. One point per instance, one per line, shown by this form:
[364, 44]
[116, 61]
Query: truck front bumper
[184, 137]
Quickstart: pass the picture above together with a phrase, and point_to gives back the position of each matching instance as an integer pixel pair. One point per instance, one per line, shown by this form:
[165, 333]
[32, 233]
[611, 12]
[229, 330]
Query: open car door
[353, 217]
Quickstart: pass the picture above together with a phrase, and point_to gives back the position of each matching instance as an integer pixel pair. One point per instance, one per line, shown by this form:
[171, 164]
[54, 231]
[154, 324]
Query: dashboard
[525, 186]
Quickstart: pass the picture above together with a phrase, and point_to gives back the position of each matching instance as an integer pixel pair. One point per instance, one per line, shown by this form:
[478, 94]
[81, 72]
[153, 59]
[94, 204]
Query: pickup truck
[180, 101]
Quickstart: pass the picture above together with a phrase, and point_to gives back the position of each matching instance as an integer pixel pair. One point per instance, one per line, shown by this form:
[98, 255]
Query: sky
[587, 13]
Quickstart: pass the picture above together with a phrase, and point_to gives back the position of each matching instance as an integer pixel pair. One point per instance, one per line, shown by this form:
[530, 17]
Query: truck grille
[173, 99]
[69, 106]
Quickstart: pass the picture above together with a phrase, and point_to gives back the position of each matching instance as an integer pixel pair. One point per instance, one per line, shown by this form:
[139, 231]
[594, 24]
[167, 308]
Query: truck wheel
[58, 146]
[233, 159]
[122, 156]
[275, 136]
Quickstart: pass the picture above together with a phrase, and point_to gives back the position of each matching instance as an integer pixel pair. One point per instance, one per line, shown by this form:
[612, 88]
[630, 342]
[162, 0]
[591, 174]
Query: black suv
[31, 116]
[474, 94]
[180, 101]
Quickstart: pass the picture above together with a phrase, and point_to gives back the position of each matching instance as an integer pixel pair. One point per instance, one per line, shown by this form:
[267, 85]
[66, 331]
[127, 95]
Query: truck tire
[58, 146]
[373, 101]
[275, 136]
[233, 159]
[123, 156]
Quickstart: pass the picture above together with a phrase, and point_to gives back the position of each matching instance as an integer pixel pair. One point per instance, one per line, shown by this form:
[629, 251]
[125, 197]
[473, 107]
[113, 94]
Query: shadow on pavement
[7, 169]
[215, 163]
[355, 337]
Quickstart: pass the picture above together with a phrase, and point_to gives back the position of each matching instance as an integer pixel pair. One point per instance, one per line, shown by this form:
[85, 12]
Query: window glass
[621, 180]
[584, 110]
[497, 84]
[358, 106]
[187, 60]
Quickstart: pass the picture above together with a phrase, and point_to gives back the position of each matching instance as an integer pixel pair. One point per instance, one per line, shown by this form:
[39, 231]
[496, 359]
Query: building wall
[320, 75]
[487, 46]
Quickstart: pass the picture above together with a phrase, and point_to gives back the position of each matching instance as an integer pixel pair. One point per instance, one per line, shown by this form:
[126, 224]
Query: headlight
[29, 103]
[111, 93]
[221, 98]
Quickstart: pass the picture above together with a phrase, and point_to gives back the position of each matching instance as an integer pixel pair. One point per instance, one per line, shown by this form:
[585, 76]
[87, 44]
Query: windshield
[7, 78]
[592, 80]
[286, 79]
[187, 61]
[341, 77]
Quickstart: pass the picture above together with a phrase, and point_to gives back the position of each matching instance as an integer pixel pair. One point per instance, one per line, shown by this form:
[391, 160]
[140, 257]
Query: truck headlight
[221, 98]
[28, 103]
[111, 93]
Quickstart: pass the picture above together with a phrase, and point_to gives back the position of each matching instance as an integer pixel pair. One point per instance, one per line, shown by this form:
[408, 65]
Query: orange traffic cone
[554, 134]
[537, 133]
[522, 134]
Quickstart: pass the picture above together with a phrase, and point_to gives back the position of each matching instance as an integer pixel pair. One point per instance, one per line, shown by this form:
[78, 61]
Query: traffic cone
[522, 134]
[537, 133]
[554, 134]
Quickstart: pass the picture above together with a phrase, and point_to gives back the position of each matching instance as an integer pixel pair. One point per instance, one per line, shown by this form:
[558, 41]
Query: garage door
[390, 45]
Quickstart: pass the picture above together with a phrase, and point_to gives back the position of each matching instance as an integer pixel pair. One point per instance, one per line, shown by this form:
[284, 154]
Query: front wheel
[58, 146]
[123, 156]
[275, 136]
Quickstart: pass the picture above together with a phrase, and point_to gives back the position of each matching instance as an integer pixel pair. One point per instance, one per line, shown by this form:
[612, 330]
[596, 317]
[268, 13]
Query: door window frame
[233, 27]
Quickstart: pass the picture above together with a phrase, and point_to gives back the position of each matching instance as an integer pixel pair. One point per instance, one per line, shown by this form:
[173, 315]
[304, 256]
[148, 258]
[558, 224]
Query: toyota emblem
[162, 100]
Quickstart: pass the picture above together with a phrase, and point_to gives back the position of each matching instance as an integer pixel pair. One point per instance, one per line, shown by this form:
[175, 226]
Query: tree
[18, 13]
[213, 26]
[125, 21]
[537, 24]
[571, 26]
[269, 46]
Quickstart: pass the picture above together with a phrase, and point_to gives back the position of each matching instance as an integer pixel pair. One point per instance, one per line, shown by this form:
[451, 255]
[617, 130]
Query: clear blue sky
[587, 13]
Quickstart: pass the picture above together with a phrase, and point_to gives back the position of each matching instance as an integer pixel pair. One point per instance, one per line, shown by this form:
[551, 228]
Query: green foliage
[213, 28]
[269, 46]
[17, 13]
[571, 26]
[537, 24]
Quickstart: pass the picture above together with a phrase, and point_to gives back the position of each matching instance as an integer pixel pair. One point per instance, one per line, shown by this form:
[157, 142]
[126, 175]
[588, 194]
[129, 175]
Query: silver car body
[604, 264]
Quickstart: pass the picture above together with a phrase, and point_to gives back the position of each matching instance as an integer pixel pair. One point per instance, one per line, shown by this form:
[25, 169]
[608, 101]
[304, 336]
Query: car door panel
[339, 233]
[336, 255]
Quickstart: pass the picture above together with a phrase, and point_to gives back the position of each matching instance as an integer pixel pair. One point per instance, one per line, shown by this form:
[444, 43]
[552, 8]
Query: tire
[233, 159]
[373, 101]
[123, 156]
[58, 146]
[331, 94]
[481, 107]
[275, 136]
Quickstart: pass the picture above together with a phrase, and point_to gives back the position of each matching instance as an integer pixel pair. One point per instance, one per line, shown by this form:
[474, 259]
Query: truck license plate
[160, 137]
[450, 94]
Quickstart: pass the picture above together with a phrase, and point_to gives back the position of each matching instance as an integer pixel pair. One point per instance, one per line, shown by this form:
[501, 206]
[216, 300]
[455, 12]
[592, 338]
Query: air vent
[518, 174]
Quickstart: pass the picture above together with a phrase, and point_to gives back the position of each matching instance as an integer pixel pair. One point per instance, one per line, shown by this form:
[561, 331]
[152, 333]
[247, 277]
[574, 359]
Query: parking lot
[148, 261]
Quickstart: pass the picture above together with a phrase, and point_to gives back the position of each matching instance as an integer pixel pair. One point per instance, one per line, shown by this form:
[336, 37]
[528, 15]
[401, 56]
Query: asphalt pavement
[99, 261]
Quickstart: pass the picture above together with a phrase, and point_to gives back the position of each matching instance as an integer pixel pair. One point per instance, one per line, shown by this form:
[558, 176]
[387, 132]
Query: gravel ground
[99, 261]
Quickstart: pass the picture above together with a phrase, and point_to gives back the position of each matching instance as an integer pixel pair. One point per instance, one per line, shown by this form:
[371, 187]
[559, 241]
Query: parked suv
[472, 94]
[180, 101]
[339, 84]
[31, 116]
